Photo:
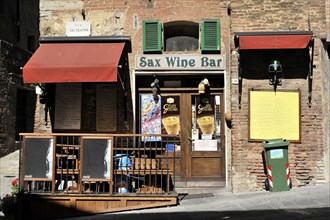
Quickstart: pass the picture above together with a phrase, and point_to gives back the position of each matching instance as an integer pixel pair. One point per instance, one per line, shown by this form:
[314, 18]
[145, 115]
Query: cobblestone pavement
[308, 202]
[9, 167]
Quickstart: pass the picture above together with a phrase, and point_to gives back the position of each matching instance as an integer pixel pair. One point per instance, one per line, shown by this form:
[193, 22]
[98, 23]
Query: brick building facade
[309, 158]
[306, 158]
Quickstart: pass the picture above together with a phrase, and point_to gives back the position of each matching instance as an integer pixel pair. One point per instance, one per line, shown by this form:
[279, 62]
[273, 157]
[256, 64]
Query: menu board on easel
[106, 110]
[97, 158]
[68, 106]
[38, 158]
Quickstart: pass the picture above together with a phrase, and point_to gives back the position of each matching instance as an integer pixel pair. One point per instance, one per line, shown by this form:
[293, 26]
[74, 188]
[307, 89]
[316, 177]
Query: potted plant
[8, 203]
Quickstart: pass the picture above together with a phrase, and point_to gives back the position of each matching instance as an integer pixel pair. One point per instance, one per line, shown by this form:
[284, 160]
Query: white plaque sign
[78, 28]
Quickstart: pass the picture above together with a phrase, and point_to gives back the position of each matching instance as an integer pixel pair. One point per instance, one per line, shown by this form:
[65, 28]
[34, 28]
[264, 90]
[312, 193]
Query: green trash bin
[277, 164]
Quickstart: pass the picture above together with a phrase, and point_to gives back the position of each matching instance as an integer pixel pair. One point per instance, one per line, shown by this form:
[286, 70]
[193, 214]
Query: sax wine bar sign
[179, 61]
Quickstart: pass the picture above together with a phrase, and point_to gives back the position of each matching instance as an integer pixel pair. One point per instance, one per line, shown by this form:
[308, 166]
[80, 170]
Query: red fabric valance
[273, 42]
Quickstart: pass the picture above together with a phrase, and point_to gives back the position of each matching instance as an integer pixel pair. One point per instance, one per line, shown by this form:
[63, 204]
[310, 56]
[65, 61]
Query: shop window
[181, 36]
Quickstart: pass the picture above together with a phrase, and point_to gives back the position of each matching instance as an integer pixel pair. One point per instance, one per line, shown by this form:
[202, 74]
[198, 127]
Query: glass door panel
[206, 123]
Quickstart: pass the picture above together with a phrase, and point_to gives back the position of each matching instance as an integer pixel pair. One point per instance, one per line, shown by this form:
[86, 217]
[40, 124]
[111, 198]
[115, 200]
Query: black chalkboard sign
[96, 159]
[38, 158]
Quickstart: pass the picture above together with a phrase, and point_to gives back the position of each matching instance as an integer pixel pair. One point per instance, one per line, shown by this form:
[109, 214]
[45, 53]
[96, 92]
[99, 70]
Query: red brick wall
[305, 158]
[42, 122]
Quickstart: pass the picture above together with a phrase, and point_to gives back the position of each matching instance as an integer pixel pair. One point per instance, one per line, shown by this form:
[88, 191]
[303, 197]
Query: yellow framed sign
[274, 115]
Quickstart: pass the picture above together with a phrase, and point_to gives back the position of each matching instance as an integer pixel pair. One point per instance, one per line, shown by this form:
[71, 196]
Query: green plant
[8, 203]
[14, 188]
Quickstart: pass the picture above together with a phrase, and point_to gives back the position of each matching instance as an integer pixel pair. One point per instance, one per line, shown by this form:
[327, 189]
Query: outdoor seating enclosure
[93, 173]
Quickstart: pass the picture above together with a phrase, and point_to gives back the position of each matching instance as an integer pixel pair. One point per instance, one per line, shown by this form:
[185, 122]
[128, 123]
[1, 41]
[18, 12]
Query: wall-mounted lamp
[155, 89]
[276, 69]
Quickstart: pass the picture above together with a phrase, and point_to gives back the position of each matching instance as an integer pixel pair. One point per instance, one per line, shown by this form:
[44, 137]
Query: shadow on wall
[255, 63]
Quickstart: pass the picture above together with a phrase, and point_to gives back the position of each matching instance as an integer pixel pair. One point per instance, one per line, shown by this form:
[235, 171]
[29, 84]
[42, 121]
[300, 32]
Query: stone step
[184, 184]
[200, 190]
[200, 187]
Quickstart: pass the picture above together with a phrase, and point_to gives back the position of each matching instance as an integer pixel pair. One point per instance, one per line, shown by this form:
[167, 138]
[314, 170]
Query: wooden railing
[98, 163]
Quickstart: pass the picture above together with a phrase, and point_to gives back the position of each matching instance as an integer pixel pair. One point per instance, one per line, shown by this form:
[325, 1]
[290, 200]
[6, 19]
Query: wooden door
[201, 157]
[198, 157]
[203, 140]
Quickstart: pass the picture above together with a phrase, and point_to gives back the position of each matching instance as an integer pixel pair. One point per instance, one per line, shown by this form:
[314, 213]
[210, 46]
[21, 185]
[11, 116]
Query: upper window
[181, 36]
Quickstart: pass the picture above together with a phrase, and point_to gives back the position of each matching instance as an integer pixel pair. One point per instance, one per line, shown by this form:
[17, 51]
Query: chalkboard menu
[38, 158]
[97, 154]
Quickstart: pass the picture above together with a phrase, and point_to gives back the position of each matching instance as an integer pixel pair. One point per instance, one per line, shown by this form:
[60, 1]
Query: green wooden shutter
[152, 36]
[210, 35]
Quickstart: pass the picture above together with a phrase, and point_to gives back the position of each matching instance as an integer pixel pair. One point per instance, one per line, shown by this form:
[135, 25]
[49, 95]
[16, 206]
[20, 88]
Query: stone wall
[19, 32]
[327, 8]
[305, 158]
[11, 59]
[19, 23]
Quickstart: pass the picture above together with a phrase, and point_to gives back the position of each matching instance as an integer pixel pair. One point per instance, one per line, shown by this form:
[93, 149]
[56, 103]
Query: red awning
[73, 62]
[274, 42]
